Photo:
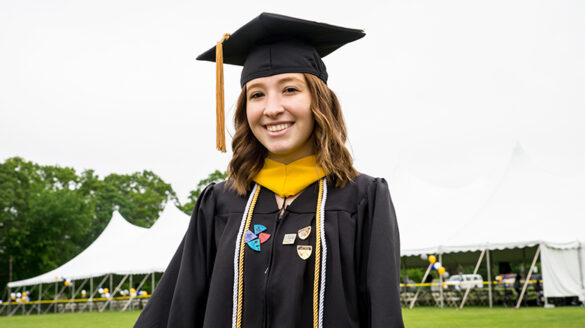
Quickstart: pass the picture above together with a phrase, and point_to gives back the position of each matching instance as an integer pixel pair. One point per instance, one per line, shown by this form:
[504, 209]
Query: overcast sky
[444, 88]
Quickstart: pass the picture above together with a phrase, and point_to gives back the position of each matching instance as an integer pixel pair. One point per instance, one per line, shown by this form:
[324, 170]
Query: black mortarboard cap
[273, 44]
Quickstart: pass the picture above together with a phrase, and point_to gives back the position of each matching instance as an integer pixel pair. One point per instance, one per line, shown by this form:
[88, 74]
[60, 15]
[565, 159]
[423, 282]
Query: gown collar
[289, 179]
[304, 203]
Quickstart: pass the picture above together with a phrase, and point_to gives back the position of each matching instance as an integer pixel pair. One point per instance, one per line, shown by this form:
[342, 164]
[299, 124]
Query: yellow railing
[427, 284]
[77, 300]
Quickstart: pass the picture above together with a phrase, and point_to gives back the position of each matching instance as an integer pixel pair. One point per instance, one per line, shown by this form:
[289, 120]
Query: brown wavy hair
[329, 133]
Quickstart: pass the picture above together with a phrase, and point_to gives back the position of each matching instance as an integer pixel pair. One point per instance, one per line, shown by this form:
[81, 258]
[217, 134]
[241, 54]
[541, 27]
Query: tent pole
[81, 286]
[109, 301]
[9, 299]
[74, 292]
[33, 305]
[132, 297]
[580, 267]
[56, 293]
[16, 308]
[90, 294]
[152, 291]
[55, 298]
[528, 278]
[418, 288]
[95, 291]
[98, 286]
[131, 286]
[489, 272]
[441, 282]
[17, 304]
[40, 298]
[467, 290]
[72, 286]
[111, 290]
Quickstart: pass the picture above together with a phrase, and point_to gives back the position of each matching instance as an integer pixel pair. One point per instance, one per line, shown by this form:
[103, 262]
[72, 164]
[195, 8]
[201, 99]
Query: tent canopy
[123, 248]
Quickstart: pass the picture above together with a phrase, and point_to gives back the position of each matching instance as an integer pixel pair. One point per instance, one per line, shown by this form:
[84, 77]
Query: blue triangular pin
[255, 245]
[249, 236]
[258, 228]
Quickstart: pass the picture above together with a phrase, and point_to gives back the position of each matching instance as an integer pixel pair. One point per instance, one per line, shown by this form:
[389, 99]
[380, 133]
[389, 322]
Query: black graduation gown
[363, 258]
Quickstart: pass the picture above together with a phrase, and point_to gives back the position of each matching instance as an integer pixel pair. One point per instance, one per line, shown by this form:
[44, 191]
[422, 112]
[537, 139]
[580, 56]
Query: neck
[302, 151]
[288, 158]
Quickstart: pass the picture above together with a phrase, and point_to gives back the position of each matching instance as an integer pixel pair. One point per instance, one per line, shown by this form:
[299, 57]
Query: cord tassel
[219, 96]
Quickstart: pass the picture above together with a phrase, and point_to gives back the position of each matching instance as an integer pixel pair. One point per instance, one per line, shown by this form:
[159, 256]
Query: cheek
[253, 115]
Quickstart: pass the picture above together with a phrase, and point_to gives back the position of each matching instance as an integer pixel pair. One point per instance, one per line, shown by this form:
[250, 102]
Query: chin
[279, 152]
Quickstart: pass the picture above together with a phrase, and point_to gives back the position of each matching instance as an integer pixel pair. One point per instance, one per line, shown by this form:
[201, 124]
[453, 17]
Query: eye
[290, 90]
[255, 95]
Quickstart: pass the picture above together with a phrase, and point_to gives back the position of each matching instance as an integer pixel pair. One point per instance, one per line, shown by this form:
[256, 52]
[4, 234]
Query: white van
[464, 281]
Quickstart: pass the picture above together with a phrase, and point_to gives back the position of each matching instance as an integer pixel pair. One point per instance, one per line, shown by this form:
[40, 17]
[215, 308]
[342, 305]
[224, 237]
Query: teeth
[277, 127]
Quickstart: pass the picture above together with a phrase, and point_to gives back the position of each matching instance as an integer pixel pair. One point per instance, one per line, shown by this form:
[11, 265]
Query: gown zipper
[279, 217]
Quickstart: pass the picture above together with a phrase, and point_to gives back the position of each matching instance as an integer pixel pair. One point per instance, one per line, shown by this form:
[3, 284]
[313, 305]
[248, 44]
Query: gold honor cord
[317, 257]
[240, 291]
[241, 264]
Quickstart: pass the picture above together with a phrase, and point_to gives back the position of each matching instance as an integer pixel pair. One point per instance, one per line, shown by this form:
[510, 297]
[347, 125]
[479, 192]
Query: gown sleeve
[380, 268]
[180, 297]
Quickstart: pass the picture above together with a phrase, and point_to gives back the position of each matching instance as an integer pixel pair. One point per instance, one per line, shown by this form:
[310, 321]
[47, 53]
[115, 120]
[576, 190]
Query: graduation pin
[263, 237]
[304, 251]
[304, 232]
[258, 228]
[289, 239]
[255, 244]
[249, 236]
[255, 239]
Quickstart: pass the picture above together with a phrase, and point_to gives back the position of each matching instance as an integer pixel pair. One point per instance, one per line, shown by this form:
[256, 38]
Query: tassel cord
[219, 96]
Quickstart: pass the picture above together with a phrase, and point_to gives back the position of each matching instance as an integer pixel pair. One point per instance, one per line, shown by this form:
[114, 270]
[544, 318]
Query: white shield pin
[304, 251]
[304, 232]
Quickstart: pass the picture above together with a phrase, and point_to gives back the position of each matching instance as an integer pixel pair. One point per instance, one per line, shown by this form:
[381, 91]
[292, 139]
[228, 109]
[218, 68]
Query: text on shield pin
[304, 251]
[304, 232]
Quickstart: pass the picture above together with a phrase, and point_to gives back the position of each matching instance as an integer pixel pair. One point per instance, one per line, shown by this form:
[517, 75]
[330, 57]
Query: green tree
[43, 217]
[215, 176]
[140, 197]
[54, 231]
[49, 214]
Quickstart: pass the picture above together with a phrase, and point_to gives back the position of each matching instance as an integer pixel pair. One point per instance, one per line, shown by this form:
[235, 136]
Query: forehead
[276, 79]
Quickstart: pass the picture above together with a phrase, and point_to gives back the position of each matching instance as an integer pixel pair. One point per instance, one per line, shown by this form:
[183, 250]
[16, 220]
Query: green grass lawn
[107, 319]
[476, 317]
[565, 317]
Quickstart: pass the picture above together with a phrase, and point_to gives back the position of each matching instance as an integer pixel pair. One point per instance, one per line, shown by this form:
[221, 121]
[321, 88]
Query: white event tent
[98, 259]
[525, 207]
[123, 248]
[153, 249]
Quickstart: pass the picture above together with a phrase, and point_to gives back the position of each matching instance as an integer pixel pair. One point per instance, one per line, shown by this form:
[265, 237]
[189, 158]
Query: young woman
[296, 237]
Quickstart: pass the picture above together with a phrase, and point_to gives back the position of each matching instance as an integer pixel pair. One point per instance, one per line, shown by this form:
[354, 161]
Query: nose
[273, 105]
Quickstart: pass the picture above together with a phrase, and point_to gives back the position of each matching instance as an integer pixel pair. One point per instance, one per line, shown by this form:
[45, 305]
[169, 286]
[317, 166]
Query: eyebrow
[281, 81]
[289, 79]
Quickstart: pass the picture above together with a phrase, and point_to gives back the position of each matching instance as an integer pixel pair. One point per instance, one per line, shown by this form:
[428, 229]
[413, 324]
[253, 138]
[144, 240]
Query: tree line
[49, 214]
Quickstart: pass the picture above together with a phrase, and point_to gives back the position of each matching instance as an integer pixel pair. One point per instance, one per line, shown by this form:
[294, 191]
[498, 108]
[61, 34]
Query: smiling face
[278, 109]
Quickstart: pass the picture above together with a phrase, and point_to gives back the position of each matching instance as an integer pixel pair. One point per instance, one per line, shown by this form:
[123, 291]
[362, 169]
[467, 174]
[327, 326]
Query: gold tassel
[219, 97]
